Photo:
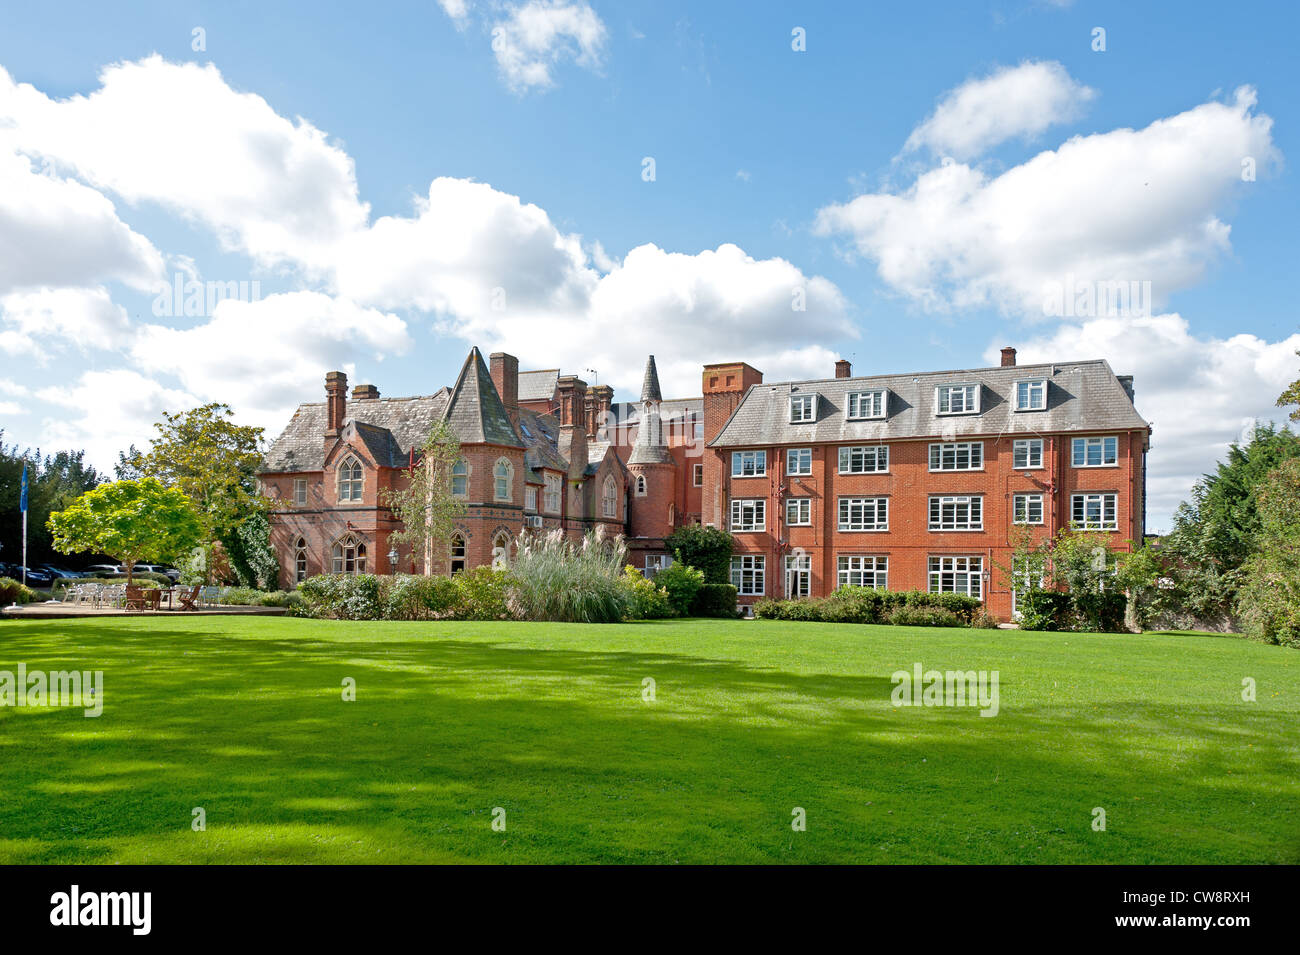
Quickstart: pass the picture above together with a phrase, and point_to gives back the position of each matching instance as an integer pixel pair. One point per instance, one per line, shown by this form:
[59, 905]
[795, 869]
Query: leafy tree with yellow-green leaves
[130, 521]
[1291, 397]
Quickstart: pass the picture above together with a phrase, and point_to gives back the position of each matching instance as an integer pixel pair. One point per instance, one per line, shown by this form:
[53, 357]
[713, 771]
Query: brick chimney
[603, 397]
[505, 376]
[843, 369]
[336, 402]
[572, 440]
[1008, 357]
[365, 392]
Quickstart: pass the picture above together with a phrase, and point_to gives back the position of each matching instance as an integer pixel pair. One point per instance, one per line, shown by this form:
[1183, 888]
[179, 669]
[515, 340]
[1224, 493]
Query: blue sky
[920, 172]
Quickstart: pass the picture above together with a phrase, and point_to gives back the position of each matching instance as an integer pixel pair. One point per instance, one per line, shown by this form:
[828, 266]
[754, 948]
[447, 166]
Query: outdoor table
[170, 595]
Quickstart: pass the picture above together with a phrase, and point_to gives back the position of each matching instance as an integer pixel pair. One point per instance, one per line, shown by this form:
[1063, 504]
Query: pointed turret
[475, 411]
[649, 447]
[651, 466]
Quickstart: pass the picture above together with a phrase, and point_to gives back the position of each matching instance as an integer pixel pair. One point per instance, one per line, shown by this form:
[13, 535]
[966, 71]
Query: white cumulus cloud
[536, 36]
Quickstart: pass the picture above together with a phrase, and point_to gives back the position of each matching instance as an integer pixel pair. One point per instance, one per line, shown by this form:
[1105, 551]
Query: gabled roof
[538, 385]
[1081, 395]
[301, 445]
[381, 444]
[475, 412]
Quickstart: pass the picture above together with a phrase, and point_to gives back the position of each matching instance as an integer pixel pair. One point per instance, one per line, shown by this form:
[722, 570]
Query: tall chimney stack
[505, 375]
[336, 402]
[1008, 357]
[843, 369]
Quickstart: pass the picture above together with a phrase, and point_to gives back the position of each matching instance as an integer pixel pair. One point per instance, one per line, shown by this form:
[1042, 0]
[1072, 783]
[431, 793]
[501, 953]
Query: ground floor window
[864, 572]
[798, 575]
[458, 560]
[747, 575]
[1022, 583]
[957, 575]
[656, 562]
[349, 556]
[300, 560]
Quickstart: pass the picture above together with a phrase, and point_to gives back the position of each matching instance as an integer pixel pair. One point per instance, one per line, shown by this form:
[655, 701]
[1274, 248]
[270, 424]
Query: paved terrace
[53, 610]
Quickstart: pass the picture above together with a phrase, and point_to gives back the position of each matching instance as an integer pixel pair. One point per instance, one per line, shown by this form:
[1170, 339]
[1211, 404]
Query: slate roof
[538, 385]
[301, 445]
[629, 412]
[474, 411]
[1081, 395]
[650, 383]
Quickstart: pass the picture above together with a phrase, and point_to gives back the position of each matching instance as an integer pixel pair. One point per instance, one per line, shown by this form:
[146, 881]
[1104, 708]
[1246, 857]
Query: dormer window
[350, 480]
[1031, 395]
[956, 399]
[866, 404]
[803, 409]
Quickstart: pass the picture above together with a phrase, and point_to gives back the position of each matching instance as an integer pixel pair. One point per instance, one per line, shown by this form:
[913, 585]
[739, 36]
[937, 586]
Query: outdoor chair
[189, 599]
[136, 598]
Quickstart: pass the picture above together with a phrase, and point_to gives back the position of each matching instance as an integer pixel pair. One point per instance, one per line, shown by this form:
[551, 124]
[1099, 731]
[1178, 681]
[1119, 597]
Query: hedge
[715, 600]
[1061, 610]
[13, 592]
[866, 605]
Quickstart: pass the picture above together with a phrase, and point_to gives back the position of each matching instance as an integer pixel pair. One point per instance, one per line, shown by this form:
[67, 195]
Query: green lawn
[244, 718]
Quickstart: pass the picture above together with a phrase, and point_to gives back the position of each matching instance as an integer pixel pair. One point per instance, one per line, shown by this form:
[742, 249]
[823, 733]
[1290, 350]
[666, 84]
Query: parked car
[169, 572]
[36, 577]
[60, 571]
[105, 570]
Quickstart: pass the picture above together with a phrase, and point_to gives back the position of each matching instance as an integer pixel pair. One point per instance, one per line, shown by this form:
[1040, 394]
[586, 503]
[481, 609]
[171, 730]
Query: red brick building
[907, 482]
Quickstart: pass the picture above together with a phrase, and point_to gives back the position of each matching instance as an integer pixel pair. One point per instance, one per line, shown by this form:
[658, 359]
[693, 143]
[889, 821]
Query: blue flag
[22, 498]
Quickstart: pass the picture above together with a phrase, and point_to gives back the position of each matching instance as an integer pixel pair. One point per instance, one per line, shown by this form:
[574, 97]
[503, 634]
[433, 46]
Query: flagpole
[24, 547]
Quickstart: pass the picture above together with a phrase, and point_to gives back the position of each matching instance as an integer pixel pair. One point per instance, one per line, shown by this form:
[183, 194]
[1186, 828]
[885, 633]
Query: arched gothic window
[458, 562]
[300, 560]
[460, 478]
[502, 473]
[609, 498]
[349, 555]
[640, 485]
[350, 480]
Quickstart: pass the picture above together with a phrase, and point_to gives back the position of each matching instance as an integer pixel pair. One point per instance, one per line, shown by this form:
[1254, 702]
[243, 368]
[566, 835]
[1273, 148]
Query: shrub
[414, 597]
[715, 600]
[682, 583]
[553, 579]
[13, 592]
[905, 615]
[482, 594]
[241, 597]
[646, 601]
[706, 548]
[983, 620]
[279, 598]
[1045, 610]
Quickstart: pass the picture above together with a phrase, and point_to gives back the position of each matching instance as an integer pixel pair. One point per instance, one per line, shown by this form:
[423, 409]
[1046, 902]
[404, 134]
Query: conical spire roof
[475, 411]
[650, 384]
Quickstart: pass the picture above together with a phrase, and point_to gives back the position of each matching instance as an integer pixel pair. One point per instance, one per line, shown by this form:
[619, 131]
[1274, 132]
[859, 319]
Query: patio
[57, 610]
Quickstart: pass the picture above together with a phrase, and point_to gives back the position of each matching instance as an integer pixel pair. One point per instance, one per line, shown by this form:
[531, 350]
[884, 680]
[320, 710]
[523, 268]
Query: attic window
[803, 409]
[866, 404]
[1031, 395]
[957, 399]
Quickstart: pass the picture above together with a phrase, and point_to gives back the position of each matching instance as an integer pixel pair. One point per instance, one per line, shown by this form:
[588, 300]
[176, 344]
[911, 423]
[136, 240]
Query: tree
[54, 481]
[704, 548]
[1291, 396]
[212, 460]
[1071, 577]
[130, 521]
[427, 507]
[1216, 531]
[1269, 599]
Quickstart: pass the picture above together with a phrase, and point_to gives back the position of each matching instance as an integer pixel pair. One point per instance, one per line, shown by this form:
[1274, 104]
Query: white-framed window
[956, 399]
[1027, 453]
[798, 462]
[554, 485]
[748, 573]
[957, 456]
[748, 463]
[865, 459]
[300, 490]
[798, 511]
[1031, 395]
[864, 514]
[300, 560]
[349, 554]
[699, 426]
[698, 475]
[1022, 582]
[1094, 512]
[798, 575]
[1095, 452]
[458, 561]
[866, 404]
[460, 478]
[803, 409]
[957, 575]
[503, 473]
[749, 514]
[1027, 509]
[956, 513]
[870, 572]
[656, 562]
[530, 499]
[350, 480]
[609, 498]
